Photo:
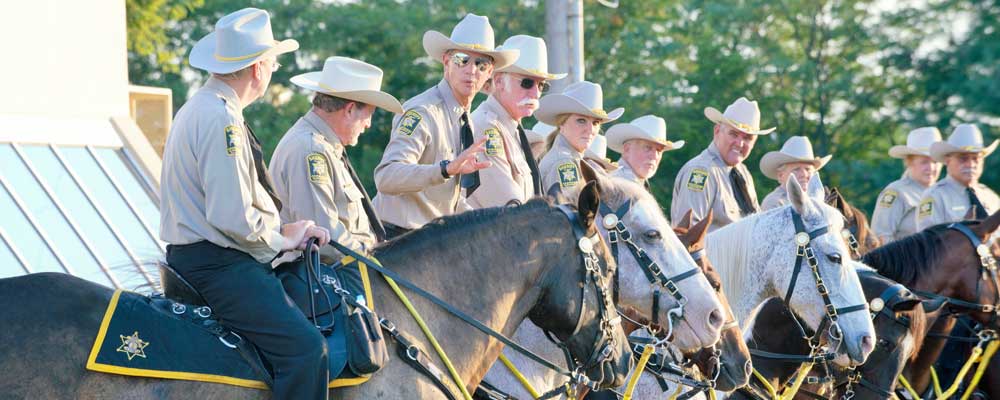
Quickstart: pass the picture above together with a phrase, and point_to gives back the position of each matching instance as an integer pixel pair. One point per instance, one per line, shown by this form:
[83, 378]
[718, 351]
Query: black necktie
[645, 184]
[536, 180]
[976, 204]
[258, 162]
[366, 202]
[469, 181]
[740, 191]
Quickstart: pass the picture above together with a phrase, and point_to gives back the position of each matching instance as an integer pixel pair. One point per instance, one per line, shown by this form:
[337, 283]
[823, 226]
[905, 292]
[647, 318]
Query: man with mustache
[431, 144]
[717, 179]
[513, 172]
[960, 193]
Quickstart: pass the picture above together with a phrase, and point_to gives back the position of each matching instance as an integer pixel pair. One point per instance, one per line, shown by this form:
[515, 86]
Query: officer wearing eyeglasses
[513, 173]
[431, 149]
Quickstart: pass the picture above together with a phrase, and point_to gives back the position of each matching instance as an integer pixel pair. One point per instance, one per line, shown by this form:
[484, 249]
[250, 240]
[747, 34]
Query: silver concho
[801, 238]
[983, 250]
[586, 246]
[845, 233]
[877, 304]
[610, 221]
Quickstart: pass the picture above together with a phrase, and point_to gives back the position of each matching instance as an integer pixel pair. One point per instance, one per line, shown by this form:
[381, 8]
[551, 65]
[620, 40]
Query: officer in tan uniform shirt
[313, 176]
[513, 173]
[795, 159]
[577, 113]
[641, 143]
[717, 179]
[218, 213]
[895, 214]
[432, 141]
[960, 193]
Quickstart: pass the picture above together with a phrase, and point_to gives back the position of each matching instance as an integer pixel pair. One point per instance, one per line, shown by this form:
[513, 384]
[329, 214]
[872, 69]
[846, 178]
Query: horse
[698, 324]
[795, 252]
[862, 239]
[942, 262]
[499, 265]
[778, 324]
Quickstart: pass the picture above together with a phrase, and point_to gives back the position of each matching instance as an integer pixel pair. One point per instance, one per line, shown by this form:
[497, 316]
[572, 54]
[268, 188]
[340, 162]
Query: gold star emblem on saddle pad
[133, 346]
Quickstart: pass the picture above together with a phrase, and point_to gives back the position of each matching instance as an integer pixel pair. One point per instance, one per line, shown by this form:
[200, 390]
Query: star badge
[133, 346]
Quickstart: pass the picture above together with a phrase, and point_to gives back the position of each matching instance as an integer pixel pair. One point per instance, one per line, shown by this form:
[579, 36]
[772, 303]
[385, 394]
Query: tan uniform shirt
[777, 198]
[561, 167]
[411, 190]
[313, 183]
[895, 214]
[509, 177]
[946, 201]
[209, 184]
[703, 184]
[625, 171]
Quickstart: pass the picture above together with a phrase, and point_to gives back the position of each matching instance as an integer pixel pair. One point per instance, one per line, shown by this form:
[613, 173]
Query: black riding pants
[248, 298]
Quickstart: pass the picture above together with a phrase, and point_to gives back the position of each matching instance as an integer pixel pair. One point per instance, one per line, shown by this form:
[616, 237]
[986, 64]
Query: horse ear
[699, 230]
[588, 173]
[590, 200]
[685, 221]
[556, 194]
[815, 188]
[933, 305]
[988, 225]
[796, 196]
[906, 305]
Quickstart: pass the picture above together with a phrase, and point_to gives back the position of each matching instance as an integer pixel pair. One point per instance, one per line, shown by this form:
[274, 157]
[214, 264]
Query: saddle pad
[137, 338]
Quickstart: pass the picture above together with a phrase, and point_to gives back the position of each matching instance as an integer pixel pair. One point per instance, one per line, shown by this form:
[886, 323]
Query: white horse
[702, 318]
[756, 257]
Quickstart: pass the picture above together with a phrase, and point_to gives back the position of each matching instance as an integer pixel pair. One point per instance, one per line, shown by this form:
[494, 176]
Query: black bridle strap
[800, 228]
[792, 358]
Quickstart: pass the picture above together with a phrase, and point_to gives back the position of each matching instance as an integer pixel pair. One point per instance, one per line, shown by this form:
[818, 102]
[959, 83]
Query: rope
[984, 361]
[767, 385]
[789, 392]
[908, 387]
[646, 352]
[520, 377]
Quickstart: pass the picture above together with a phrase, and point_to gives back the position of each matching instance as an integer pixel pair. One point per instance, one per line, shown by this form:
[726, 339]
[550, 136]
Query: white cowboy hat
[795, 149]
[598, 151]
[918, 143]
[743, 114]
[539, 132]
[533, 59]
[584, 98]
[350, 79]
[966, 138]
[472, 33]
[646, 127]
[239, 40]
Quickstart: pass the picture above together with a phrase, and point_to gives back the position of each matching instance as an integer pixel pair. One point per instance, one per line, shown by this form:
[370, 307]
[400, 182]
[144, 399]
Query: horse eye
[652, 235]
[834, 258]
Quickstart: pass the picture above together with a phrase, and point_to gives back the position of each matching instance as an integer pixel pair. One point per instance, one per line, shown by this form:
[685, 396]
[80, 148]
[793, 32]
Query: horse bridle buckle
[802, 239]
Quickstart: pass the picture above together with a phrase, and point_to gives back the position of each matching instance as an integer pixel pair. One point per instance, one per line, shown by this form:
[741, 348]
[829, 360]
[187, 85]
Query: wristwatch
[444, 168]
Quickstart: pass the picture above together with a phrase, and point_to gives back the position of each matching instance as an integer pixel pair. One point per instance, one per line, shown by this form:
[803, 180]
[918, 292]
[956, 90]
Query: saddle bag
[366, 347]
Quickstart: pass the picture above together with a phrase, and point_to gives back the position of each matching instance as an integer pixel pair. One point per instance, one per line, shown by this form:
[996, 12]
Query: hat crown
[589, 94]
[744, 112]
[598, 148]
[652, 125]
[533, 53]
[342, 74]
[242, 34]
[474, 31]
[921, 138]
[798, 147]
[966, 136]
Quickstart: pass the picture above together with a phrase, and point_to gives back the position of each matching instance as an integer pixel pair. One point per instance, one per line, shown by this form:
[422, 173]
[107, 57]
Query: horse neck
[728, 249]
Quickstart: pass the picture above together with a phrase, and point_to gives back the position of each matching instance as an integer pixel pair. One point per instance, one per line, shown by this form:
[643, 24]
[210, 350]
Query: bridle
[987, 266]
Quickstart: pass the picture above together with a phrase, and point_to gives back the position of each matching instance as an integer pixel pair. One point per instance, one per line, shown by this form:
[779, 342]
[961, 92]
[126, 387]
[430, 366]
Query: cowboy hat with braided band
[583, 98]
[350, 79]
[797, 149]
[966, 138]
[743, 115]
[918, 143]
[473, 33]
[239, 40]
[647, 127]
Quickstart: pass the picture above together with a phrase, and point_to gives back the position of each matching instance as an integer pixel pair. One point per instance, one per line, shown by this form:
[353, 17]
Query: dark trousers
[248, 298]
[393, 231]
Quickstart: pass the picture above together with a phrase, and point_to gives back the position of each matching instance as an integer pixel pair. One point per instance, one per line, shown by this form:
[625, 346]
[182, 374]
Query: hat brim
[380, 99]
[716, 116]
[514, 69]
[902, 151]
[436, 44]
[203, 55]
[552, 106]
[940, 150]
[621, 133]
[773, 160]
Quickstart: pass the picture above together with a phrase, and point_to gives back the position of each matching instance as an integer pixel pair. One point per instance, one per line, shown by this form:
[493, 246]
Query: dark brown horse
[499, 265]
[856, 223]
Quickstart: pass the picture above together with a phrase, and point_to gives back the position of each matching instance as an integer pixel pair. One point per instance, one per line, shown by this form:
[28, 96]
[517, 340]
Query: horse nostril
[715, 319]
[867, 345]
[748, 368]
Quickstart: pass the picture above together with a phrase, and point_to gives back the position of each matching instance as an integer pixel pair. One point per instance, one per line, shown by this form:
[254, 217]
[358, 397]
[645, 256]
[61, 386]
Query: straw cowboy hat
[533, 58]
[473, 33]
[966, 138]
[350, 79]
[646, 127]
[743, 114]
[918, 143]
[584, 98]
[598, 151]
[795, 149]
[239, 40]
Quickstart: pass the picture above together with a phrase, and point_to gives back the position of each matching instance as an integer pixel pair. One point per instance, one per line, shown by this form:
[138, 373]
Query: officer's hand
[321, 234]
[467, 162]
[295, 234]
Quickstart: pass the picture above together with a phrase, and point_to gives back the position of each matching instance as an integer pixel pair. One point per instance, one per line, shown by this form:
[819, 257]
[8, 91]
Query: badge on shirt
[318, 172]
[409, 122]
[494, 143]
[926, 207]
[888, 197]
[232, 140]
[568, 175]
[696, 182]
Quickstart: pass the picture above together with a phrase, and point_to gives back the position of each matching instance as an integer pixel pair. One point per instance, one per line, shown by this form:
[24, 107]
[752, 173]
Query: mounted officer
[219, 212]
[895, 215]
[641, 144]
[795, 159]
[960, 193]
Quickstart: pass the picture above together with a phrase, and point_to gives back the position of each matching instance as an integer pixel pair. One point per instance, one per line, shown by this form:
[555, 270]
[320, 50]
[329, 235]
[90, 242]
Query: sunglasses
[528, 83]
[461, 60]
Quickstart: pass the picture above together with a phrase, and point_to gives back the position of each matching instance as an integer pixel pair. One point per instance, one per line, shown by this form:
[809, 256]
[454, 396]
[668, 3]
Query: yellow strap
[984, 361]
[767, 385]
[520, 377]
[908, 387]
[935, 383]
[647, 351]
[976, 353]
[676, 393]
[790, 392]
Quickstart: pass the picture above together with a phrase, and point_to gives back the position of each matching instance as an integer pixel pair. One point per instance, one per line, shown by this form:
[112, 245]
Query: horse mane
[727, 247]
[906, 259]
[918, 327]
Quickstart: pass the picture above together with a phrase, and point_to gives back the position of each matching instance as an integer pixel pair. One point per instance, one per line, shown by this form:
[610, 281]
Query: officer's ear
[587, 205]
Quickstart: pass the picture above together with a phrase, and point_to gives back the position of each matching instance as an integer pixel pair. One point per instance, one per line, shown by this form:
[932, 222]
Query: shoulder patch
[696, 181]
[926, 207]
[318, 171]
[569, 175]
[494, 142]
[888, 197]
[409, 122]
[232, 140]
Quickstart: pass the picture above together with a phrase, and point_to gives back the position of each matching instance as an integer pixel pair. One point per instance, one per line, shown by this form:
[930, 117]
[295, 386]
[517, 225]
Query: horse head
[653, 265]
[858, 235]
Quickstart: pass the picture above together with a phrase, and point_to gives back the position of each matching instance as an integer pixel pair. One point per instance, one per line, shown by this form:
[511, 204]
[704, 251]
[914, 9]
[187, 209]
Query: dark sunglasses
[528, 83]
[461, 60]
